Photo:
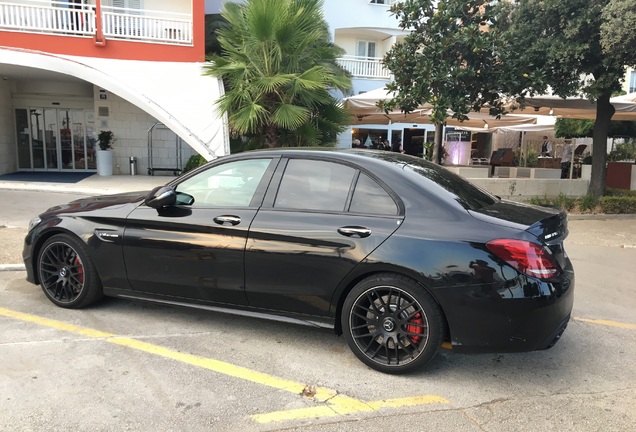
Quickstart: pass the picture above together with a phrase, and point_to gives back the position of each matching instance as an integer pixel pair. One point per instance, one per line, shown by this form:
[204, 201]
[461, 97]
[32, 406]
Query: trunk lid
[549, 226]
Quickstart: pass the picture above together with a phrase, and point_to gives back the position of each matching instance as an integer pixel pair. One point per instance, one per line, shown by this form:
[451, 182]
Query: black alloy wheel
[392, 324]
[67, 275]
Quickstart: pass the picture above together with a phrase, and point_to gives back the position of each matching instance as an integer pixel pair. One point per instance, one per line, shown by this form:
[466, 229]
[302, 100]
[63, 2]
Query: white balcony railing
[365, 67]
[60, 17]
[148, 25]
[47, 17]
[383, 2]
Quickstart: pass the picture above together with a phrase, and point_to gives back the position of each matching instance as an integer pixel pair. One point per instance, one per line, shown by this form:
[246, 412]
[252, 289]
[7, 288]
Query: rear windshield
[465, 193]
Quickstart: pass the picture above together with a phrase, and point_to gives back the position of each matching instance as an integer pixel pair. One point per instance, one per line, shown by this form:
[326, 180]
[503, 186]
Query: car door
[195, 249]
[324, 218]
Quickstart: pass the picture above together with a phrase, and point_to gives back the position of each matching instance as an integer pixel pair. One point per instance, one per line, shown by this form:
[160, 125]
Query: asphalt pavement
[125, 365]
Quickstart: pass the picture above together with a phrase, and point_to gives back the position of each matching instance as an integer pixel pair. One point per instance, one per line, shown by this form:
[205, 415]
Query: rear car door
[324, 218]
[195, 249]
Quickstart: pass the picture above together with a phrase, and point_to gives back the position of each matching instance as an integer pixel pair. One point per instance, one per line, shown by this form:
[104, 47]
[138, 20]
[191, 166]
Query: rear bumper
[531, 315]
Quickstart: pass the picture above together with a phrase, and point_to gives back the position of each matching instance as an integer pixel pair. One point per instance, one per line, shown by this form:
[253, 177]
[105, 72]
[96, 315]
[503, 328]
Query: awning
[364, 110]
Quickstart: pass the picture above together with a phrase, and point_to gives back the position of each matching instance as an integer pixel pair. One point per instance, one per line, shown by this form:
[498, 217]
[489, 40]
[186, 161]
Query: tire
[392, 324]
[67, 273]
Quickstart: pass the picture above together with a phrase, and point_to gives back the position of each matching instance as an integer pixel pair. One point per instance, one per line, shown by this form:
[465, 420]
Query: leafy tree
[279, 67]
[451, 60]
[617, 27]
[212, 24]
[561, 41]
[577, 128]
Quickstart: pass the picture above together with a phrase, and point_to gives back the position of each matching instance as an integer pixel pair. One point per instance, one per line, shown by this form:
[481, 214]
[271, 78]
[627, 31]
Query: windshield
[465, 193]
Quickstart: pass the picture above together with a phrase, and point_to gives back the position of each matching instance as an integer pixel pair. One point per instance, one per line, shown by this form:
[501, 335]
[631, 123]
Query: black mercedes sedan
[394, 252]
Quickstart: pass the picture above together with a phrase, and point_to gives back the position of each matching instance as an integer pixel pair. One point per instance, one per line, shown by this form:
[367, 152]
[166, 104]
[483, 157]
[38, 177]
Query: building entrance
[55, 139]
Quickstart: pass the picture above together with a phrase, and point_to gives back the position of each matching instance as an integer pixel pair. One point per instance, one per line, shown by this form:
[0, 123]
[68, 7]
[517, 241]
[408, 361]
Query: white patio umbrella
[365, 111]
[579, 108]
[627, 98]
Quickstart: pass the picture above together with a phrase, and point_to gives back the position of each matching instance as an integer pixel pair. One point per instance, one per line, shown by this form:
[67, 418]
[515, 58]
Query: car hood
[101, 202]
[545, 223]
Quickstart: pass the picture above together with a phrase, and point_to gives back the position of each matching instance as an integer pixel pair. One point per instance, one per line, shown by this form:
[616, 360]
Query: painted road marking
[334, 404]
[607, 323]
[342, 405]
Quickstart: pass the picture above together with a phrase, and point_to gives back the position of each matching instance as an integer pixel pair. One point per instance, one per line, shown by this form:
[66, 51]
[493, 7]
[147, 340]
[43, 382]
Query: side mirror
[161, 196]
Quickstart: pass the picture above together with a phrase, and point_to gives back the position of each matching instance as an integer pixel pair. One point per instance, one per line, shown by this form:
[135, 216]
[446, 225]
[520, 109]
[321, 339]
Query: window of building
[632, 82]
[127, 4]
[365, 49]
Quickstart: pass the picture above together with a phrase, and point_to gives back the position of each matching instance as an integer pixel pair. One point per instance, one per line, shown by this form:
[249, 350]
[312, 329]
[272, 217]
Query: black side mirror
[161, 196]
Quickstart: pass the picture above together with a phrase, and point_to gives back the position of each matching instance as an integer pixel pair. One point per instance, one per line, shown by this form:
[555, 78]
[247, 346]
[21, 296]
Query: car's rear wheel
[67, 274]
[392, 324]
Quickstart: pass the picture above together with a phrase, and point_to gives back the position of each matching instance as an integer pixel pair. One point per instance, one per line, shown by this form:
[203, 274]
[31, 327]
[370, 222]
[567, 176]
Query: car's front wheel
[392, 324]
[67, 274]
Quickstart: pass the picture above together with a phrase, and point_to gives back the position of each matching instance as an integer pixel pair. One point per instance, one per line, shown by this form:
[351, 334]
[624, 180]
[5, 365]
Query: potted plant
[105, 140]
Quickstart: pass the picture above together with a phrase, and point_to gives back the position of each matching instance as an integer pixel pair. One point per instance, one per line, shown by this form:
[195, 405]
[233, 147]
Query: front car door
[324, 218]
[195, 248]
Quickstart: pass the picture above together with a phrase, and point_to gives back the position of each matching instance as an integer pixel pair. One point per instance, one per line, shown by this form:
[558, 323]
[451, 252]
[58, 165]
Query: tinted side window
[370, 197]
[232, 184]
[314, 185]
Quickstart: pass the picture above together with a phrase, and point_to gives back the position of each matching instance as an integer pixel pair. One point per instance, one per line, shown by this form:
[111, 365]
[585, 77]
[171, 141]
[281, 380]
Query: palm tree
[279, 69]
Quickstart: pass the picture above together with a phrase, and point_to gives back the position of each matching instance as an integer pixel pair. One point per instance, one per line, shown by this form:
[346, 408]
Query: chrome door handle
[227, 220]
[359, 232]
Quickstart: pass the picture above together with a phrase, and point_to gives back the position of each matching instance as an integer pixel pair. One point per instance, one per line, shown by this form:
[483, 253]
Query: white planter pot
[104, 162]
[586, 172]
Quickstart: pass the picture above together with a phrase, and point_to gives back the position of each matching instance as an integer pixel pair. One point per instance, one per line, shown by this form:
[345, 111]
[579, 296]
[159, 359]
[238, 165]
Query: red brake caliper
[417, 319]
[80, 270]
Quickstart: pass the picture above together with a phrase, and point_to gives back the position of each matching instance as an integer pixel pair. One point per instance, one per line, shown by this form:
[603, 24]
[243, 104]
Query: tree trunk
[604, 113]
[437, 147]
[271, 136]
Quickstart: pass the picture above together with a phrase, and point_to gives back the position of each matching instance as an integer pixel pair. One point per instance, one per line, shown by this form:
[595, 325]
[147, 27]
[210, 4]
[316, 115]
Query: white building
[71, 68]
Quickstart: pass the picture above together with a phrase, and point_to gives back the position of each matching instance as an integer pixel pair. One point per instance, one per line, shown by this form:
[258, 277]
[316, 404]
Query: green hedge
[623, 202]
[194, 162]
[618, 204]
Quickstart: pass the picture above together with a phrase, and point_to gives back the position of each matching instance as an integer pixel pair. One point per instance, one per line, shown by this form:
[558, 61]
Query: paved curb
[12, 267]
[601, 216]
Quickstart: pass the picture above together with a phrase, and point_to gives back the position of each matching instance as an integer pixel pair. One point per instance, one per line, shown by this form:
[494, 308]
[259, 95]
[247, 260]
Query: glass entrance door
[50, 140]
[55, 139]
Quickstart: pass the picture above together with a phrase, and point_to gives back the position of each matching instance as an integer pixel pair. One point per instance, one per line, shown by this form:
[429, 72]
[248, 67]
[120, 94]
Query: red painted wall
[619, 175]
[115, 49]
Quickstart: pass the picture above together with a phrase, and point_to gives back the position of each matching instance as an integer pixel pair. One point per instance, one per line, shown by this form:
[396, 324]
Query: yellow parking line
[607, 323]
[334, 403]
[338, 406]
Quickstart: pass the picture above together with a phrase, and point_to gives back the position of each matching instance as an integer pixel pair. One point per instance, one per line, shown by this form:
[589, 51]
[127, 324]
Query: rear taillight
[528, 258]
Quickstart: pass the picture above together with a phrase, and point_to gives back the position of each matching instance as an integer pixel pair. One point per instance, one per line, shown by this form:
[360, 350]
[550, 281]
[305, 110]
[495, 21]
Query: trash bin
[133, 165]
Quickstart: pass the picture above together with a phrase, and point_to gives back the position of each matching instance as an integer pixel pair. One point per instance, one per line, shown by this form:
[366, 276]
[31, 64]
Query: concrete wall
[522, 189]
[7, 130]
[130, 126]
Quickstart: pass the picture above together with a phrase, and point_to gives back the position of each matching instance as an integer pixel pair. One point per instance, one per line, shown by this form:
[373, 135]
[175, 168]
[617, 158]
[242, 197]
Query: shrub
[620, 192]
[587, 203]
[194, 162]
[565, 203]
[618, 204]
[544, 201]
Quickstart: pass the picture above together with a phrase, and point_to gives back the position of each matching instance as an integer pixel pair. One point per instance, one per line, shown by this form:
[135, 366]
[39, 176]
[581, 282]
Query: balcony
[365, 67]
[63, 18]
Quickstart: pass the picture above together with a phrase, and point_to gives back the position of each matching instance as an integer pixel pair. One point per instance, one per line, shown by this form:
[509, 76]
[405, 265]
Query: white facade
[629, 85]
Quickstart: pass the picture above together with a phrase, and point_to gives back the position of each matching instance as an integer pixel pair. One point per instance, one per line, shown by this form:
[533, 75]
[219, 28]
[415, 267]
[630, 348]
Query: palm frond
[289, 116]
